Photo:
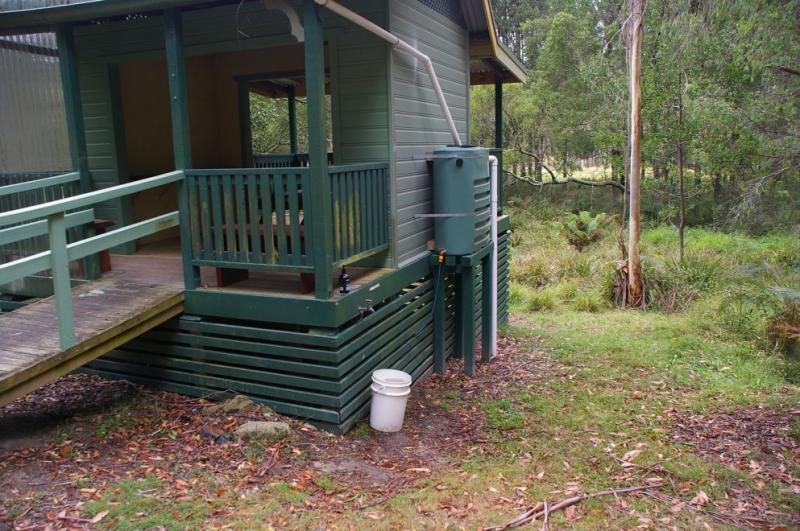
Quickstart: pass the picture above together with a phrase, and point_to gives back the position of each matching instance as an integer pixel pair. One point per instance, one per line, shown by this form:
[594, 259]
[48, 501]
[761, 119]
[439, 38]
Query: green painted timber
[38, 184]
[181, 137]
[319, 374]
[70, 82]
[39, 228]
[417, 123]
[323, 377]
[498, 138]
[321, 236]
[292, 111]
[328, 313]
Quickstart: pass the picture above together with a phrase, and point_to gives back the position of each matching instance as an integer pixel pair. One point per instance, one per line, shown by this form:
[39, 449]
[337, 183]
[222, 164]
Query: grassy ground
[583, 398]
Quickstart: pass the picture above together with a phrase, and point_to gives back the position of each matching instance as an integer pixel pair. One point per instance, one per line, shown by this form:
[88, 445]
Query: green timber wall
[319, 375]
[322, 377]
[417, 123]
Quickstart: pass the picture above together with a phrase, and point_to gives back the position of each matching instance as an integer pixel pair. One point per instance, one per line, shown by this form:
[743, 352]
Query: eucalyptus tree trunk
[681, 180]
[635, 38]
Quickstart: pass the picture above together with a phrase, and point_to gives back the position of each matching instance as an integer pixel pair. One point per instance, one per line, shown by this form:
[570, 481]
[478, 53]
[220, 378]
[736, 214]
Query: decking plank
[108, 312]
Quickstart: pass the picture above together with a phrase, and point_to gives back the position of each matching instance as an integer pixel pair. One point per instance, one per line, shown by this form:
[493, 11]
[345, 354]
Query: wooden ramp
[108, 313]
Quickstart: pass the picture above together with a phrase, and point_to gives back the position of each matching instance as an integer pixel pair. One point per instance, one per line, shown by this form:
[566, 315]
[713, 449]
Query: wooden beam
[68, 64]
[498, 137]
[245, 123]
[322, 237]
[181, 134]
[292, 119]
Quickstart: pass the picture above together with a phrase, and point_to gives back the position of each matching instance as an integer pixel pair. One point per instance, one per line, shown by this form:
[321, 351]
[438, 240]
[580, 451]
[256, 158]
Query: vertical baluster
[206, 222]
[241, 219]
[230, 218]
[266, 216]
[218, 221]
[190, 182]
[294, 217]
[384, 209]
[373, 219]
[341, 177]
[255, 224]
[307, 216]
[352, 204]
[337, 224]
[362, 208]
[280, 215]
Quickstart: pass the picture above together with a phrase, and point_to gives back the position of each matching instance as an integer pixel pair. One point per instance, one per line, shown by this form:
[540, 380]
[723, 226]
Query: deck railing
[260, 218]
[284, 160]
[61, 253]
[360, 207]
[18, 190]
[249, 218]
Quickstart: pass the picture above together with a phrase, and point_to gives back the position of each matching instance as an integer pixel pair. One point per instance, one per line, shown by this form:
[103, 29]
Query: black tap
[344, 282]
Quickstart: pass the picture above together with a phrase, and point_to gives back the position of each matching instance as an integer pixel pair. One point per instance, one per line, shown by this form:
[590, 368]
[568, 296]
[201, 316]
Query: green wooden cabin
[158, 99]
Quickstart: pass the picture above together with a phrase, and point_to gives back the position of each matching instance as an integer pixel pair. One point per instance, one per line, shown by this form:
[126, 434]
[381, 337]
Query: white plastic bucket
[390, 389]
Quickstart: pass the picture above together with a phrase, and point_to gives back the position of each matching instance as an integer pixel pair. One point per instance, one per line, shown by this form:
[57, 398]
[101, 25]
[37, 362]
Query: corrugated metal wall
[33, 134]
[14, 5]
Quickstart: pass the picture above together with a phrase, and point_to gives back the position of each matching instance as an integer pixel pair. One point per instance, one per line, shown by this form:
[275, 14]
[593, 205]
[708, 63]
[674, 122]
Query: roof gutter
[400, 44]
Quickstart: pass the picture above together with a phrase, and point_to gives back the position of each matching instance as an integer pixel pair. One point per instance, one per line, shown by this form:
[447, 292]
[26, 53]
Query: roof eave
[45, 18]
[509, 68]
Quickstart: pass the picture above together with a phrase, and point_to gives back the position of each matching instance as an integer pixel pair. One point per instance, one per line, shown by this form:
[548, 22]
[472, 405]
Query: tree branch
[568, 180]
[787, 69]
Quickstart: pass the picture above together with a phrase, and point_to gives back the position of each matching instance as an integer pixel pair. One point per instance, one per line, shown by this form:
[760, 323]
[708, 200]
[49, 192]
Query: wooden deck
[125, 303]
[141, 292]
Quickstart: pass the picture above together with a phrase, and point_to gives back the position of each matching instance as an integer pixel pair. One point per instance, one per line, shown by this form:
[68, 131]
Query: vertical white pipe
[394, 40]
[493, 165]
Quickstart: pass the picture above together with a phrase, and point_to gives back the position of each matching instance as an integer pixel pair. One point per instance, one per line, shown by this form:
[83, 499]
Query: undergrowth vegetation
[728, 285]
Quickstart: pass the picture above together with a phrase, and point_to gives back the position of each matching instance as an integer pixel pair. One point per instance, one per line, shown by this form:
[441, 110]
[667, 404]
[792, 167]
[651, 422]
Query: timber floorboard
[135, 297]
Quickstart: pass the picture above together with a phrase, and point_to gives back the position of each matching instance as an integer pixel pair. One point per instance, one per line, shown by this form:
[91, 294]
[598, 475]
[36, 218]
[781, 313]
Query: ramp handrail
[59, 256]
[38, 184]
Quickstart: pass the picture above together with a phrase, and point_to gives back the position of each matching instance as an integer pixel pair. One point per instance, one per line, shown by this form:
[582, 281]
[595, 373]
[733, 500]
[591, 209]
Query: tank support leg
[467, 318]
[486, 307]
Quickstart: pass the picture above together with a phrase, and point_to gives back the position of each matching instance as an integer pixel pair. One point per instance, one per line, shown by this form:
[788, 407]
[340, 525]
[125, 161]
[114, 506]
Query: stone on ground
[263, 430]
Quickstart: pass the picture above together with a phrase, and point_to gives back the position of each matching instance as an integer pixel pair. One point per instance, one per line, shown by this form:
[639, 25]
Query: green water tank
[461, 198]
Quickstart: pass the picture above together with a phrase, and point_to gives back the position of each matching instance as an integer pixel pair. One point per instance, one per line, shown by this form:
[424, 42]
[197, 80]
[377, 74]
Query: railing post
[245, 125]
[321, 217]
[181, 136]
[76, 132]
[70, 83]
[292, 119]
[62, 289]
[498, 137]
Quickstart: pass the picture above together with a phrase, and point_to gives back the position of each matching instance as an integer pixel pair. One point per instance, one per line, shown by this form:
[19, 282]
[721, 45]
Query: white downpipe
[392, 39]
[493, 165]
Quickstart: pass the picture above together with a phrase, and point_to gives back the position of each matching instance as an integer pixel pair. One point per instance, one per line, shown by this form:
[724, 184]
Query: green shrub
[566, 290]
[588, 301]
[540, 300]
[748, 310]
[582, 229]
[672, 285]
[530, 272]
[518, 294]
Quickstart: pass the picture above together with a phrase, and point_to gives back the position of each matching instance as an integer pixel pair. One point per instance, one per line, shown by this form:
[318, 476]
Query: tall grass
[731, 279]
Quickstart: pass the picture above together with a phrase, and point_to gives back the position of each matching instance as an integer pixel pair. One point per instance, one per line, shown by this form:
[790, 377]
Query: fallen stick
[542, 509]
